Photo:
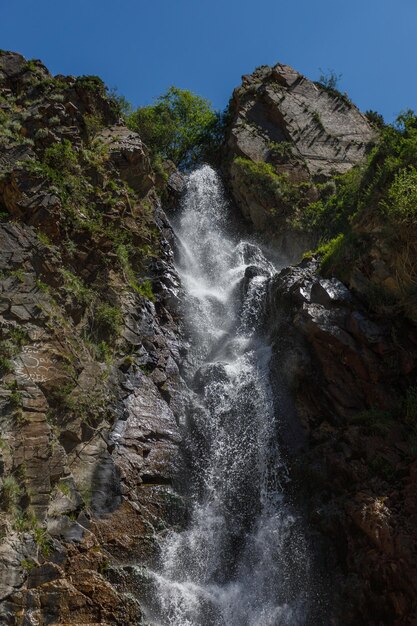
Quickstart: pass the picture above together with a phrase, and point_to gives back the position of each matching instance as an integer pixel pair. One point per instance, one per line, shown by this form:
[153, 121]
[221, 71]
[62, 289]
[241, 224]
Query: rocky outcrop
[90, 390]
[350, 435]
[302, 133]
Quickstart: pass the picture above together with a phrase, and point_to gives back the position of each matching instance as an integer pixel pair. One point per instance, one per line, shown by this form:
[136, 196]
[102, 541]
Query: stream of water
[242, 560]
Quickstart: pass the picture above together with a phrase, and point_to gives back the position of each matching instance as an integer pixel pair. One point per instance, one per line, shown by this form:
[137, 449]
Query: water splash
[242, 560]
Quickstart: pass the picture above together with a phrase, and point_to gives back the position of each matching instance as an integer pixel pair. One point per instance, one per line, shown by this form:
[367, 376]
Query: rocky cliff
[298, 156]
[90, 347]
[286, 135]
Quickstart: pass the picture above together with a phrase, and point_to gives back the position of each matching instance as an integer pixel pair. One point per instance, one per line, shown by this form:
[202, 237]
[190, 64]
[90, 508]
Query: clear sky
[144, 46]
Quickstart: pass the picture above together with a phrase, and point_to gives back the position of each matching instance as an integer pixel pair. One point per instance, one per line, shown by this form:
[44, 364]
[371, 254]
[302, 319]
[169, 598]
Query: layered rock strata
[90, 352]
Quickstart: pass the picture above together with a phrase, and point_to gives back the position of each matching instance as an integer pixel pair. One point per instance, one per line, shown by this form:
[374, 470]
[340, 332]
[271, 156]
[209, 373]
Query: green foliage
[329, 81]
[401, 203]
[64, 488]
[317, 120]
[92, 83]
[15, 397]
[75, 289]
[6, 365]
[32, 66]
[11, 493]
[375, 118]
[338, 254]
[28, 564]
[119, 103]
[332, 214]
[44, 239]
[93, 124]
[275, 191]
[375, 421]
[180, 126]
[144, 288]
[384, 190]
[280, 150]
[42, 540]
[10, 346]
[61, 159]
[396, 150]
[106, 321]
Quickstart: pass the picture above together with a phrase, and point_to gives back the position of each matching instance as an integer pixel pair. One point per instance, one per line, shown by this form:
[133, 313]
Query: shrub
[93, 124]
[145, 289]
[92, 83]
[341, 252]
[332, 214]
[180, 126]
[401, 204]
[329, 81]
[11, 493]
[75, 289]
[61, 158]
[106, 322]
[273, 189]
[376, 119]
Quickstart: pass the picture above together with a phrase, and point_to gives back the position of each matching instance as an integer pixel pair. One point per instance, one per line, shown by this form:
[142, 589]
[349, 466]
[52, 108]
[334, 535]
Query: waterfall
[242, 559]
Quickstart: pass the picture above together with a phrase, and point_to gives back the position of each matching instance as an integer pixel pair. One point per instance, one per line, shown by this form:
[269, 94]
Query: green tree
[180, 126]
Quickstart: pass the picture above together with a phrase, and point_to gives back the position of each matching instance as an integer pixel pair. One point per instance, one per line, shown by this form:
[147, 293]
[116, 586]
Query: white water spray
[242, 560]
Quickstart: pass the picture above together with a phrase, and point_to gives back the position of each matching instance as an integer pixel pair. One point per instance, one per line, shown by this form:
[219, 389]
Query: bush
[331, 215]
[106, 321]
[341, 252]
[92, 83]
[329, 81]
[273, 189]
[401, 204]
[11, 493]
[376, 119]
[61, 158]
[180, 126]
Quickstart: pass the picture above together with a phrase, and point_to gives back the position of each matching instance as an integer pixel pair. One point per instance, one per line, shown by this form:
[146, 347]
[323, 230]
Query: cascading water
[242, 560]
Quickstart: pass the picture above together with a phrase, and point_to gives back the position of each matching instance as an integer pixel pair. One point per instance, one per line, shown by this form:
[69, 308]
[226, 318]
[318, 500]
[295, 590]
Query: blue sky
[144, 46]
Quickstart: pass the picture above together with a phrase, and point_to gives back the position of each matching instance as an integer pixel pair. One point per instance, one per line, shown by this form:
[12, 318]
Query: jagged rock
[84, 435]
[130, 157]
[338, 362]
[276, 104]
[302, 131]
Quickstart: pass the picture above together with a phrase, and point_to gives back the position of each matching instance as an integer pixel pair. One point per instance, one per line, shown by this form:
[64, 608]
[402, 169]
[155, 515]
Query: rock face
[353, 456]
[91, 350]
[303, 131]
[90, 390]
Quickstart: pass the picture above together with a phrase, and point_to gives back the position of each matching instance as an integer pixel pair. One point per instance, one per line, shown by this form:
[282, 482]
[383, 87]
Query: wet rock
[337, 361]
[251, 272]
[208, 374]
[330, 291]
